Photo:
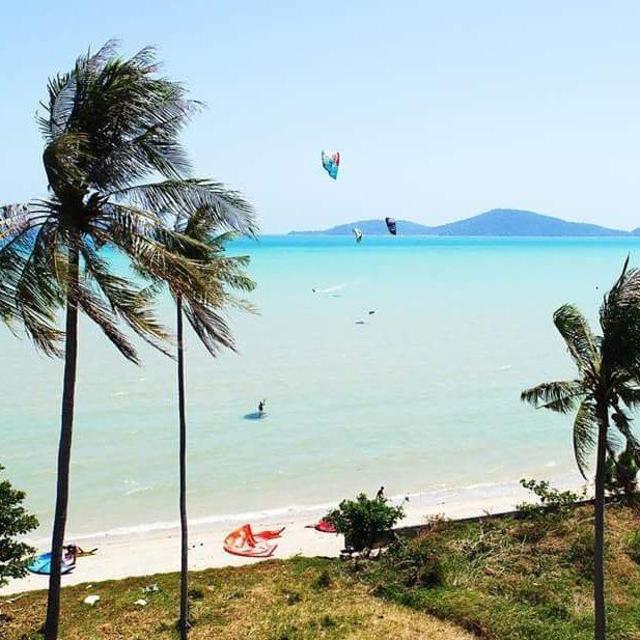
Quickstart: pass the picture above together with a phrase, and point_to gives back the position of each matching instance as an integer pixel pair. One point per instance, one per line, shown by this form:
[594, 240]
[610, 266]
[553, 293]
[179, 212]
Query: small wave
[445, 493]
[135, 490]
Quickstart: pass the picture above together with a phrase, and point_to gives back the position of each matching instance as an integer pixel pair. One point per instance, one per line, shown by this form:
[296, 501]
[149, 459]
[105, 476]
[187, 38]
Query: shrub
[553, 504]
[633, 546]
[621, 479]
[323, 581]
[419, 562]
[580, 552]
[14, 522]
[364, 521]
[196, 593]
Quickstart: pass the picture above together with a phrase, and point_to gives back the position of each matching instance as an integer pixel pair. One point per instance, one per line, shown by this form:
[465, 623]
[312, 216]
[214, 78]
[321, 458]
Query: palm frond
[630, 395]
[210, 327]
[560, 396]
[132, 304]
[29, 294]
[106, 319]
[620, 322]
[624, 426]
[585, 428]
[225, 208]
[580, 341]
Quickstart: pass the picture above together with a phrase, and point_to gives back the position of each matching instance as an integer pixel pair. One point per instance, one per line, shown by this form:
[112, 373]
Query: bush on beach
[553, 504]
[621, 479]
[364, 521]
[15, 522]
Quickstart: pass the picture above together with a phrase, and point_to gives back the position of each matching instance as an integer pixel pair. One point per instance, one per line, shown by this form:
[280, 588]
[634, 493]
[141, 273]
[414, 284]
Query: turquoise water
[422, 397]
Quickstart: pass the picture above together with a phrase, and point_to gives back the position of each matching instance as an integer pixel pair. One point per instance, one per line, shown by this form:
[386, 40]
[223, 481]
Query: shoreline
[157, 550]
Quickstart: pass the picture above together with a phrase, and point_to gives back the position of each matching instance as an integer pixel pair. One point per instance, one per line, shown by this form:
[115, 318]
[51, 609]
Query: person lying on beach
[73, 551]
[69, 554]
[80, 552]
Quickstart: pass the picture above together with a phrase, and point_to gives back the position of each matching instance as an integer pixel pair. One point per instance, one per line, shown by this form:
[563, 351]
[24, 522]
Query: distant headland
[497, 222]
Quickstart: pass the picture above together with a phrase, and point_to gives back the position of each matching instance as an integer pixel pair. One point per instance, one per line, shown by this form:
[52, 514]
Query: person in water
[261, 406]
[380, 494]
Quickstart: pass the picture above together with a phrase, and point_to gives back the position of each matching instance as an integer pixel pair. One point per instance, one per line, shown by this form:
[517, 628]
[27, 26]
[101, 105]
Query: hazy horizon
[439, 112]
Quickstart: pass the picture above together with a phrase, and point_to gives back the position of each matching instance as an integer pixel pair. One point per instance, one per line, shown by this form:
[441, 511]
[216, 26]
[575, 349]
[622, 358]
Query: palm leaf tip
[584, 436]
[559, 396]
[580, 341]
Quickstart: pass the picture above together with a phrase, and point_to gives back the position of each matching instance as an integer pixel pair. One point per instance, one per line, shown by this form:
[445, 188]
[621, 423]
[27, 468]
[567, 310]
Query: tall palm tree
[606, 387]
[204, 311]
[108, 124]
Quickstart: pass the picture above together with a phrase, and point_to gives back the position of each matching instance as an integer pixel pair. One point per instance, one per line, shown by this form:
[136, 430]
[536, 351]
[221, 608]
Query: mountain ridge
[496, 222]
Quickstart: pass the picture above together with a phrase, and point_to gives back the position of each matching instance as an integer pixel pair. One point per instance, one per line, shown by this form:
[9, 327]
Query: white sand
[142, 554]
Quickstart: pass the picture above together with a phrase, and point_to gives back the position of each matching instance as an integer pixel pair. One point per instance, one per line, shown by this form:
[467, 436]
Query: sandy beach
[157, 551]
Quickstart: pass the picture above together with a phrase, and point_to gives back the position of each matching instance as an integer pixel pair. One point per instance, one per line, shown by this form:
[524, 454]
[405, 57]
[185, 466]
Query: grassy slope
[299, 599]
[501, 579]
[518, 580]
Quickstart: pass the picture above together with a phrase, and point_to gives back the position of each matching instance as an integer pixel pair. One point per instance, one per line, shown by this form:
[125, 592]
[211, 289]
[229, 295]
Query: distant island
[497, 222]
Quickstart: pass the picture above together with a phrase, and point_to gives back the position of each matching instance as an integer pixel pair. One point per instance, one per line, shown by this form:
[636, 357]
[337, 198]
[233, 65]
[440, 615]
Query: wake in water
[333, 289]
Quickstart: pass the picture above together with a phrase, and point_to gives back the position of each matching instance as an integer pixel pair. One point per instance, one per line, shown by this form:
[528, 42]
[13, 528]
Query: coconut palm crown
[108, 124]
[204, 310]
[605, 391]
[116, 171]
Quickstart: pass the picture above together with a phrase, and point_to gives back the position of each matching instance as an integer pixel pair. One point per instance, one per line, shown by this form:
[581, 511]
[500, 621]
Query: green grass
[517, 580]
[502, 579]
[298, 599]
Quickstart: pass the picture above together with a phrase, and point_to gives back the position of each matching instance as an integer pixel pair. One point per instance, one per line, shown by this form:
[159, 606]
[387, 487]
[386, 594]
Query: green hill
[497, 222]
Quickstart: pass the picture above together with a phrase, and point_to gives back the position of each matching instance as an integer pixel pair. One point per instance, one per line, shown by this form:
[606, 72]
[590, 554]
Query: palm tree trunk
[64, 447]
[184, 566]
[598, 578]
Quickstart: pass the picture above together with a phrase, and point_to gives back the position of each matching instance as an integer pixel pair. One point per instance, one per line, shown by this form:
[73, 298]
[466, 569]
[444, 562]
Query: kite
[331, 162]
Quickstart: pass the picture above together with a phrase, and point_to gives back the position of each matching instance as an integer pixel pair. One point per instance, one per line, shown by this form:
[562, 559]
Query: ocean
[403, 369]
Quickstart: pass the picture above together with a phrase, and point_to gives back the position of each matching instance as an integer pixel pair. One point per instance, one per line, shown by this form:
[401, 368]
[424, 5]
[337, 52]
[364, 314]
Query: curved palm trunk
[184, 566]
[64, 448]
[598, 578]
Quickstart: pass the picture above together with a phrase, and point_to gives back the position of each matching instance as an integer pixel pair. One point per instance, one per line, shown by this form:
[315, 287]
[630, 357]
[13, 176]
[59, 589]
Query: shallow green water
[423, 397]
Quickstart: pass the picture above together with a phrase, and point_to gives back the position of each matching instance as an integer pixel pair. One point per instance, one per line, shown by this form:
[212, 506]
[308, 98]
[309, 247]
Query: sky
[440, 110]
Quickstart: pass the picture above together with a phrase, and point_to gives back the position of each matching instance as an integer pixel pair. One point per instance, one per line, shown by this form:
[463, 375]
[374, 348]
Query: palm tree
[203, 310]
[607, 386]
[108, 124]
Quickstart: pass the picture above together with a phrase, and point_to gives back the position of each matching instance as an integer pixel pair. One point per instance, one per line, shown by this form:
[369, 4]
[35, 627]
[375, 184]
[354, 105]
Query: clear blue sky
[440, 109]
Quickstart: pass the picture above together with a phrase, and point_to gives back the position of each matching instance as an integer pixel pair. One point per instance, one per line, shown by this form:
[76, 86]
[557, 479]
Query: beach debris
[141, 602]
[152, 588]
[91, 600]
[244, 542]
[331, 162]
[15, 599]
[391, 226]
[358, 234]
